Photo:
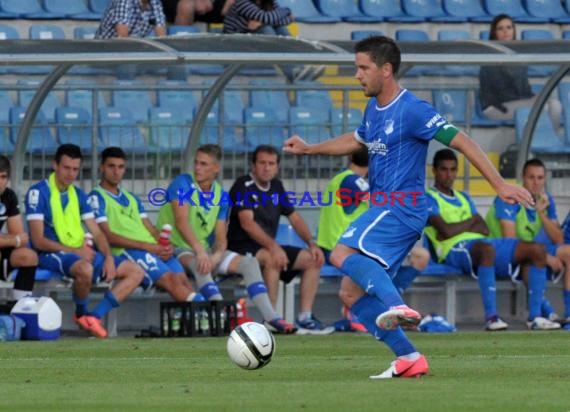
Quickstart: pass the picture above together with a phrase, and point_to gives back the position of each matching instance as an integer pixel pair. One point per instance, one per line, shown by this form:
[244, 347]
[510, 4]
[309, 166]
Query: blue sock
[108, 303]
[546, 308]
[566, 303]
[488, 289]
[405, 277]
[536, 286]
[367, 309]
[210, 291]
[80, 306]
[372, 278]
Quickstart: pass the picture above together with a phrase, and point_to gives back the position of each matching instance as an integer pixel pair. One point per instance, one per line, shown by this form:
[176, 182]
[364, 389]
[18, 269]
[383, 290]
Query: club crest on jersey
[389, 127]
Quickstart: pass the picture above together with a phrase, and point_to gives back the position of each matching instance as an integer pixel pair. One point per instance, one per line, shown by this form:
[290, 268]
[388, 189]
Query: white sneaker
[401, 315]
[496, 323]
[540, 323]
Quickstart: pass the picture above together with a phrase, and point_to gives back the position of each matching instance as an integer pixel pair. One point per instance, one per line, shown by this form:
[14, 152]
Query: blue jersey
[97, 203]
[506, 211]
[397, 137]
[185, 183]
[38, 206]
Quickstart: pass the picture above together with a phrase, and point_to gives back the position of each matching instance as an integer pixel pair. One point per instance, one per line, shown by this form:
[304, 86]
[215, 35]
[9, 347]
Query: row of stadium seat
[416, 11]
[52, 9]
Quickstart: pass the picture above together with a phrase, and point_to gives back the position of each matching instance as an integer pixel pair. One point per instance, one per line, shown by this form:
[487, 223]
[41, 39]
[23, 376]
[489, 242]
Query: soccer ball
[251, 345]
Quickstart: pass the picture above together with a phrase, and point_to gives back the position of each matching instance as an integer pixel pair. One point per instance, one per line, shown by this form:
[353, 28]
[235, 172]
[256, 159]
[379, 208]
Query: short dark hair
[69, 150]
[112, 151]
[265, 148]
[533, 162]
[381, 49]
[495, 22]
[212, 150]
[443, 154]
[5, 165]
[360, 157]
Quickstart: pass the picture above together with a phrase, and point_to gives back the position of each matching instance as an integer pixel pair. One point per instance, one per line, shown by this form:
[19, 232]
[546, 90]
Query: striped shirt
[244, 11]
[130, 12]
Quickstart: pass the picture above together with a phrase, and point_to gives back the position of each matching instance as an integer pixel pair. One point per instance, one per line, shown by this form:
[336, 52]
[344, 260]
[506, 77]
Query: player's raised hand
[295, 145]
[515, 194]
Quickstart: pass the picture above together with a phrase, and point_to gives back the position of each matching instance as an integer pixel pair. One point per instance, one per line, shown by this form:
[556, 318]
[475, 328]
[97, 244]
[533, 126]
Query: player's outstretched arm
[342, 145]
[472, 151]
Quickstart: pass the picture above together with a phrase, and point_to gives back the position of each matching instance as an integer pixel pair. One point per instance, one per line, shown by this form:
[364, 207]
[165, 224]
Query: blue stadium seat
[5, 104]
[480, 120]
[76, 9]
[388, 10]
[171, 95]
[566, 34]
[513, 8]
[176, 30]
[453, 34]
[539, 34]
[169, 127]
[306, 12]
[40, 139]
[455, 69]
[286, 235]
[310, 123]
[345, 10]
[8, 32]
[343, 121]
[431, 10]
[46, 32]
[276, 100]
[469, 9]
[117, 127]
[98, 6]
[363, 34]
[484, 35]
[262, 128]
[28, 9]
[223, 135]
[544, 139]
[452, 104]
[6, 145]
[414, 35]
[564, 95]
[316, 99]
[83, 97]
[138, 101]
[73, 125]
[548, 9]
[48, 106]
[85, 33]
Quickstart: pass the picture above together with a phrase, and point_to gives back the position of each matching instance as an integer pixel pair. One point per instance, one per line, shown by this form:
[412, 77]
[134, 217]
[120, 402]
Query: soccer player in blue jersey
[396, 129]
[57, 212]
[122, 218]
[538, 224]
[458, 236]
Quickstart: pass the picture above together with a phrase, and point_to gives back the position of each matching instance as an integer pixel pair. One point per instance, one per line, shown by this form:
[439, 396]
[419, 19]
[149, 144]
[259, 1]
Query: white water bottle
[89, 239]
[165, 233]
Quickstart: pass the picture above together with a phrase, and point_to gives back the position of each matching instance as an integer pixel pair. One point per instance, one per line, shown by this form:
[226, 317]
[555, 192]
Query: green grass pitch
[470, 371]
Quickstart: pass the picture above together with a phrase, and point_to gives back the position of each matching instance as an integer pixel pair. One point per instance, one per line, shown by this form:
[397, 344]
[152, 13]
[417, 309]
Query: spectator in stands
[258, 201]
[259, 17]
[458, 237]
[56, 212]
[503, 89]
[396, 128]
[186, 12]
[122, 218]
[132, 18]
[538, 224]
[199, 235]
[14, 250]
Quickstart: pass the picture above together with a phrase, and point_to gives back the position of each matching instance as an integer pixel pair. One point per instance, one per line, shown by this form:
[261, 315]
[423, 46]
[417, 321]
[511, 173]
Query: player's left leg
[26, 260]
[204, 281]
[409, 362]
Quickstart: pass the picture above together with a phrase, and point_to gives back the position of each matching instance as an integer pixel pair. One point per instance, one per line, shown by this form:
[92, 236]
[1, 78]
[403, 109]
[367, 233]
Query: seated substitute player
[458, 236]
[56, 210]
[396, 128]
[14, 250]
[538, 224]
[122, 218]
[197, 210]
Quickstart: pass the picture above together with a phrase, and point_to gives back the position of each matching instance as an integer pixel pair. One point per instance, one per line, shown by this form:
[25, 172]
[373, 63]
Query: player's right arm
[338, 146]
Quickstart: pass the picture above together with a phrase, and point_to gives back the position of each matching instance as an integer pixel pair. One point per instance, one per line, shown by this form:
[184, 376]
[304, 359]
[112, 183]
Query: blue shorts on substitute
[381, 236]
[460, 258]
[61, 262]
[153, 266]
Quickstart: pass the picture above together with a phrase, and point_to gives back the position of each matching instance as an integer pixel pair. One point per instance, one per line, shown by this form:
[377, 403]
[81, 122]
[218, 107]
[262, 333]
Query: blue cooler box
[42, 317]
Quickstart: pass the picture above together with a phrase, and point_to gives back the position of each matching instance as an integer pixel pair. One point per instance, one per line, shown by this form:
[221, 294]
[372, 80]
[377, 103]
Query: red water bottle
[165, 233]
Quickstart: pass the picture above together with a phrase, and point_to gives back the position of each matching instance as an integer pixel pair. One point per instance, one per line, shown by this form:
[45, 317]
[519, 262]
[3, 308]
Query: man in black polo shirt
[14, 251]
[258, 201]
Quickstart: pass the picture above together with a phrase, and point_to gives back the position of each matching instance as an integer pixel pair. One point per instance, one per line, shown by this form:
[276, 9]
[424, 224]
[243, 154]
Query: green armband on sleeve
[446, 134]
